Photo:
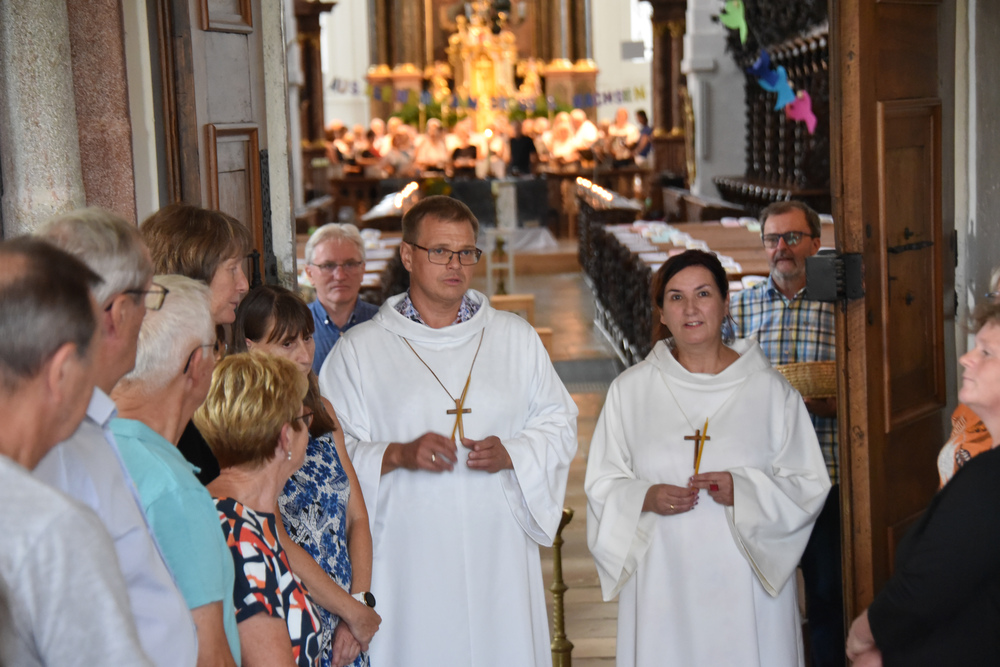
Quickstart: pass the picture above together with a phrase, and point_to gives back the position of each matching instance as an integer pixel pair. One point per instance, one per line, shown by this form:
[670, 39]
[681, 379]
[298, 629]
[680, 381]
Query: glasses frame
[479, 254]
[218, 348]
[329, 268]
[152, 299]
[307, 419]
[779, 237]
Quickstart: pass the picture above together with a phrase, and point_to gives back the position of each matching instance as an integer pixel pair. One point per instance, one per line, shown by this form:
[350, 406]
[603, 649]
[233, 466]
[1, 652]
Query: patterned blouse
[264, 582]
[314, 509]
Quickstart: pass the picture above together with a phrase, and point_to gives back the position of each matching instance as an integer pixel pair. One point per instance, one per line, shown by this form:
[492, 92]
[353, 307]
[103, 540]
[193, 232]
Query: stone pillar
[311, 96]
[100, 82]
[39, 140]
[716, 88]
[668, 120]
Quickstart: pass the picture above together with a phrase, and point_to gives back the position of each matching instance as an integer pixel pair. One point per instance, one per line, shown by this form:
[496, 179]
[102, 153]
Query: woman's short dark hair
[273, 314]
[671, 268]
[193, 241]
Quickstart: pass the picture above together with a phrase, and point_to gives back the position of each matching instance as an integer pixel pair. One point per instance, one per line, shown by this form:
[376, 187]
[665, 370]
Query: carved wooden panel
[234, 175]
[227, 15]
[909, 158]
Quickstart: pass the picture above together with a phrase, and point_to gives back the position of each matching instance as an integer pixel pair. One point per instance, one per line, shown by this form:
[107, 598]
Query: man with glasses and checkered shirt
[461, 435]
[792, 328]
[335, 264]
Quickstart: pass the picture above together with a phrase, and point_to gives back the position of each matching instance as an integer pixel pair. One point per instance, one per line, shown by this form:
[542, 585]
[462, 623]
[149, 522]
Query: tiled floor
[563, 302]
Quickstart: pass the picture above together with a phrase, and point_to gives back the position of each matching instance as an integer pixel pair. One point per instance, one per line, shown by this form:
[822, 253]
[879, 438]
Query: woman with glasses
[254, 421]
[209, 246]
[328, 540]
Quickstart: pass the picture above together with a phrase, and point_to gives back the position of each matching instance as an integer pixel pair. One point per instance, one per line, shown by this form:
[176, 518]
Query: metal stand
[562, 648]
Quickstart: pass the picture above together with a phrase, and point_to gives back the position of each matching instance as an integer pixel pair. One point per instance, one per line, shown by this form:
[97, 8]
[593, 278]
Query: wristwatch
[365, 598]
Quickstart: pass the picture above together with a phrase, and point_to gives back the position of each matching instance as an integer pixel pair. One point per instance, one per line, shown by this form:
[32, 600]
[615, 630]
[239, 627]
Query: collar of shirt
[101, 409]
[350, 320]
[772, 287]
[465, 311]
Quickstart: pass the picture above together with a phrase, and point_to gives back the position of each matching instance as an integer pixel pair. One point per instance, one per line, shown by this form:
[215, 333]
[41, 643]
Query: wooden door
[887, 106]
[215, 142]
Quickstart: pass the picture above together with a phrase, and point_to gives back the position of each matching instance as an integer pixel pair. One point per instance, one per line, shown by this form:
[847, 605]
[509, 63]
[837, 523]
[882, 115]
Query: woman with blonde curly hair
[258, 428]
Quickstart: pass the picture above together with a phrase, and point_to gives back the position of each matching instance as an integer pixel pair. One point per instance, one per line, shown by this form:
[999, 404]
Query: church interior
[878, 114]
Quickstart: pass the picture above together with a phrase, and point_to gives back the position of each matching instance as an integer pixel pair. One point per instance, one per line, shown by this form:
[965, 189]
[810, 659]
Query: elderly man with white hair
[173, 371]
[335, 264]
[59, 575]
[87, 465]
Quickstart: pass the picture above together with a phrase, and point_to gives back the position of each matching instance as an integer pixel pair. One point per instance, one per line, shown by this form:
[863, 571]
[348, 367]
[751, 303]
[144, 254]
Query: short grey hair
[168, 335]
[111, 247]
[45, 302]
[334, 232]
[782, 207]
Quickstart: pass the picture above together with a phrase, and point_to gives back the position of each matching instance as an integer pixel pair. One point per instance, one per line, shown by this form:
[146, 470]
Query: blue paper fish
[762, 68]
[785, 93]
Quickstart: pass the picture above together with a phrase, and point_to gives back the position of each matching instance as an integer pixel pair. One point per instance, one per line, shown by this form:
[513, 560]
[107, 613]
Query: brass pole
[562, 648]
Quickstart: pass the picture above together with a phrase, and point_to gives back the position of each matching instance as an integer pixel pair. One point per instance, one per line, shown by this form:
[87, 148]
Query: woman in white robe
[703, 578]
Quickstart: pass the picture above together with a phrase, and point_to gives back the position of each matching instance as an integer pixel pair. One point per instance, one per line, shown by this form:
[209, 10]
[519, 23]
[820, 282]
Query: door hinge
[832, 276]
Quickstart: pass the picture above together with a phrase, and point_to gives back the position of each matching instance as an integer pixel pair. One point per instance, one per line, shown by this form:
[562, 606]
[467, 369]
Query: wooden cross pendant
[458, 412]
[699, 440]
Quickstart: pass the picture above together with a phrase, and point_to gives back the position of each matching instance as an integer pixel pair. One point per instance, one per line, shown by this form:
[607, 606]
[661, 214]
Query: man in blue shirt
[335, 264]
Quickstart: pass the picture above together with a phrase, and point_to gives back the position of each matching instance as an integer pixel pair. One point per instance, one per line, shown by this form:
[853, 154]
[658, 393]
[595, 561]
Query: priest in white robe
[461, 435]
[703, 564]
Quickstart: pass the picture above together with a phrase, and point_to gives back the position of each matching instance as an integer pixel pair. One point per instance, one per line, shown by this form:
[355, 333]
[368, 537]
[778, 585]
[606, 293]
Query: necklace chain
[476, 356]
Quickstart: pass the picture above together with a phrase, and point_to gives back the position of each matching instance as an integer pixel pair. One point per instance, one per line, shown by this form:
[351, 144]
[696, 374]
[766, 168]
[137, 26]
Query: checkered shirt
[790, 331]
[465, 311]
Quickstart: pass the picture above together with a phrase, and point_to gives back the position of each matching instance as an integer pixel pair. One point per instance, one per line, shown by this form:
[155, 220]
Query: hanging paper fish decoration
[801, 109]
[734, 18]
[762, 68]
[785, 93]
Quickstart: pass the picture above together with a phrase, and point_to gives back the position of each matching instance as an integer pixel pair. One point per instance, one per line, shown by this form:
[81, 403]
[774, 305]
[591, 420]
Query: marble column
[716, 88]
[39, 139]
[100, 83]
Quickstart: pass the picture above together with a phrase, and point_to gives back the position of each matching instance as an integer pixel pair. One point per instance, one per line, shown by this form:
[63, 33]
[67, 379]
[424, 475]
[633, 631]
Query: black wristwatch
[365, 598]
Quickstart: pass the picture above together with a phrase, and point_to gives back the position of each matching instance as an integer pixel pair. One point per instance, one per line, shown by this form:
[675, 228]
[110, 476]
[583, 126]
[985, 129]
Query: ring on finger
[671, 507]
[433, 457]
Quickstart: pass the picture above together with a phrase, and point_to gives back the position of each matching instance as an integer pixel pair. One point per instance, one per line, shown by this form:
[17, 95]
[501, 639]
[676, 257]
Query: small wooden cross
[699, 440]
[458, 412]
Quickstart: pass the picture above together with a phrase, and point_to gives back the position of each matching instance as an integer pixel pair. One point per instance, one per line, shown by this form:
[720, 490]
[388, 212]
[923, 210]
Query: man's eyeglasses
[218, 349]
[152, 298]
[328, 268]
[466, 256]
[792, 239]
[992, 296]
[307, 419]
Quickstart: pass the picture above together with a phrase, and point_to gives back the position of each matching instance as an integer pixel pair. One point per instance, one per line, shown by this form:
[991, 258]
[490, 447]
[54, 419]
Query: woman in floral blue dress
[324, 526]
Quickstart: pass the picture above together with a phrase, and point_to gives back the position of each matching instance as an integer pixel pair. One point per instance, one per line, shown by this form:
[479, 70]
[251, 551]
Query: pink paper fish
[802, 109]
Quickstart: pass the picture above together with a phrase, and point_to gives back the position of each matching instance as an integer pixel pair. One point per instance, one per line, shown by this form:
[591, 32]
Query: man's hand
[667, 499]
[345, 648]
[822, 407]
[431, 451]
[488, 455]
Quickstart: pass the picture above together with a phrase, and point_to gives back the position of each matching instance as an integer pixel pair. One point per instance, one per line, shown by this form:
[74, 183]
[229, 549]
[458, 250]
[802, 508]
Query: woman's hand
[364, 622]
[718, 484]
[667, 499]
[345, 648]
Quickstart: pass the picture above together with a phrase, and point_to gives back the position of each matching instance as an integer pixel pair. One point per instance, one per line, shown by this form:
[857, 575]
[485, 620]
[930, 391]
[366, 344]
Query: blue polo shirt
[184, 520]
[328, 333]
